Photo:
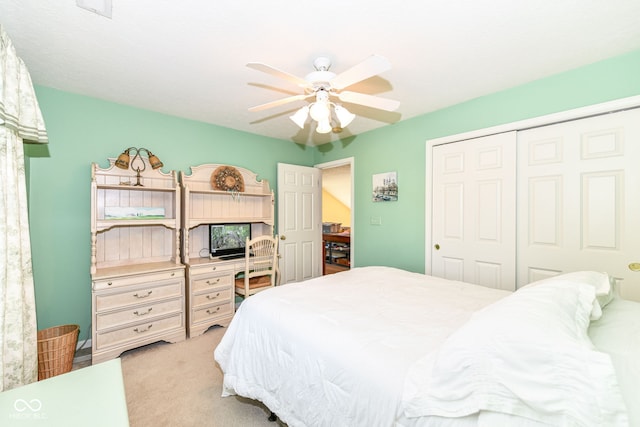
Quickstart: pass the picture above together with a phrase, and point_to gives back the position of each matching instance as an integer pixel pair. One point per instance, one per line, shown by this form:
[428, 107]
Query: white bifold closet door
[473, 217]
[579, 199]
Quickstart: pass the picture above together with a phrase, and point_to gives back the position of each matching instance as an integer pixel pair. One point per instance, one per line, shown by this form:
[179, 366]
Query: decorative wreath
[227, 178]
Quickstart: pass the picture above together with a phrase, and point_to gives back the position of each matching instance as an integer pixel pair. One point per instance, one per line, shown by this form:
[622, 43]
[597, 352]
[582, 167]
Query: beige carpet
[180, 385]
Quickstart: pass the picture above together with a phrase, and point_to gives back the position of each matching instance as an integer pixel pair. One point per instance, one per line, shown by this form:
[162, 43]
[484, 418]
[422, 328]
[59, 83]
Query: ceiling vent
[101, 7]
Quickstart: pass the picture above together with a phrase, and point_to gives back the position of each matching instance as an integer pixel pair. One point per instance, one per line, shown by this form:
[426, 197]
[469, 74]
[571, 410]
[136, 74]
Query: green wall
[399, 240]
[84, 130]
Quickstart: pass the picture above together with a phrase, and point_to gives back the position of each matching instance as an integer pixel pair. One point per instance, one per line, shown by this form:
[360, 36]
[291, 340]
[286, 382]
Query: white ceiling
[188, 58]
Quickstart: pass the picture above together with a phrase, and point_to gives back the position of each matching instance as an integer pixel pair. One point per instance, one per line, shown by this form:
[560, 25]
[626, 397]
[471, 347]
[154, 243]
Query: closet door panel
[578, 206]
[453, 204]
[601, 210]
[545, 195]
[452, 268]
[473, 216]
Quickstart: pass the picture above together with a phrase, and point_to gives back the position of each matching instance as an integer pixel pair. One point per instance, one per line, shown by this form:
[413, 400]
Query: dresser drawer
[203, 284]
[212, 312]
[215, 268]
[116, 282]
[138, 332]
[139, 295]
[215, 296]
[146, 312]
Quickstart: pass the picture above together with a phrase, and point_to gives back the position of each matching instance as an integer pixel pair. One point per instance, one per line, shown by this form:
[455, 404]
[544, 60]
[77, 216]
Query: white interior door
[578, 205]
[473, 211]
[299, 222]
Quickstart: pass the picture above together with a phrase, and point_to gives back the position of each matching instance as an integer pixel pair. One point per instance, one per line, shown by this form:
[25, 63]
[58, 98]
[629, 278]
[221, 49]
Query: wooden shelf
[137, 275]
[203, 205]
[229, 193]
[106, 224]
[110, 272]
[337, 251]
[213, 220]
[210, 284]
[132, 187]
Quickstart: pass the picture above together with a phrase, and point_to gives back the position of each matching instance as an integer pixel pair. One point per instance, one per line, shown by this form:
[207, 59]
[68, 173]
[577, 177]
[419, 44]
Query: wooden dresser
[138, 280]
[210, 283]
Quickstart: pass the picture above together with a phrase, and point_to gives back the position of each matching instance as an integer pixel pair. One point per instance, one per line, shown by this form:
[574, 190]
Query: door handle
[436, 247]
[283, 237]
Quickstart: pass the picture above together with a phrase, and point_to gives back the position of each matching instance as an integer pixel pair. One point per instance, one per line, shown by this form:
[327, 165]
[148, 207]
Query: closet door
[473, 216]
[578, 200]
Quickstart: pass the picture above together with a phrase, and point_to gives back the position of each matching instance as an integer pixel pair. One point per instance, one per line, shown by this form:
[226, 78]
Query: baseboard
[83, 351]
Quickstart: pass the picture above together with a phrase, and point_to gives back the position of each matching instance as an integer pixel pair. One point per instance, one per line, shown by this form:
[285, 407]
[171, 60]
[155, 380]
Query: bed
[379, 346]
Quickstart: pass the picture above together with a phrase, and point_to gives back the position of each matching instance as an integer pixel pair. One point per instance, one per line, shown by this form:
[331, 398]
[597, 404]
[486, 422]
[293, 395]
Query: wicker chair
[261, 265]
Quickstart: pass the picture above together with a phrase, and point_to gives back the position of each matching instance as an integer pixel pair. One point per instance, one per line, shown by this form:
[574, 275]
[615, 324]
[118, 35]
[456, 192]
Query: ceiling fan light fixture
[345, 117]
[324, 126]
[300, 116]
[319, 111]
[327, 86]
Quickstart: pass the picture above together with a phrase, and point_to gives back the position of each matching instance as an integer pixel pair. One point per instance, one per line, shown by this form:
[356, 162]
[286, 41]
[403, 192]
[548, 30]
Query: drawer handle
[142, 296]
[213, 312]
[214, 283]
[140, 331]
[143, 314]
[173, 274]
[213, 297]
[109, 283]
[214, 268]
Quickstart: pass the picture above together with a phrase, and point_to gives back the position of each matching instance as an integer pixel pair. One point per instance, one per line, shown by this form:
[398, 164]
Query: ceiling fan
[327, 88]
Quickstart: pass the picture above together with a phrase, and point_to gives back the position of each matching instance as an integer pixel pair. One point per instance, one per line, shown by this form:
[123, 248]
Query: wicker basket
[56, 348]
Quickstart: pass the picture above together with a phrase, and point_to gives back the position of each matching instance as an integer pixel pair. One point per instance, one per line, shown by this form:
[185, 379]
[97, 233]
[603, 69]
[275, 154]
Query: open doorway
[337, 215]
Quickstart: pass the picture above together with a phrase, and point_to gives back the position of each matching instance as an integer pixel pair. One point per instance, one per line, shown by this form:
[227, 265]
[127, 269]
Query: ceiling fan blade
[368, 100]
[278, 73]
[279, 102]
[373, 65]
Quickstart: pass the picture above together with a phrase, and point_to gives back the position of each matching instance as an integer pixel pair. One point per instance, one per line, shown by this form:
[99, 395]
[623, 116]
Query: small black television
[226, 240]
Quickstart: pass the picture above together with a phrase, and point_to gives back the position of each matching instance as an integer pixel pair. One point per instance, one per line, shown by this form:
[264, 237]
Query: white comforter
[334, 351]
[378, 346]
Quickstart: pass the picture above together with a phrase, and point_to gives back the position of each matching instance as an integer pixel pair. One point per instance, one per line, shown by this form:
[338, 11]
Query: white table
[92, 396]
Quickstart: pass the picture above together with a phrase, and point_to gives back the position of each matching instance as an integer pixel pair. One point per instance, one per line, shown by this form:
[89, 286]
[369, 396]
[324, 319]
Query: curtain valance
[19, 109]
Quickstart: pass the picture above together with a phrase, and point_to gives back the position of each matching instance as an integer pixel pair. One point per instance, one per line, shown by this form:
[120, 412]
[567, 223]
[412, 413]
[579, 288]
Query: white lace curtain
[20, 120]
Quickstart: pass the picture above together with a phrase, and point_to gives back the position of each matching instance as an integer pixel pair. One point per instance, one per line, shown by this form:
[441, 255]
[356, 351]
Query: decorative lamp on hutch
[123, 161]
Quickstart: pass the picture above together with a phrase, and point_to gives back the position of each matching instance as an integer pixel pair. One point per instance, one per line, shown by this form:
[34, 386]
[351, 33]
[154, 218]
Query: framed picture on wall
[385, 187]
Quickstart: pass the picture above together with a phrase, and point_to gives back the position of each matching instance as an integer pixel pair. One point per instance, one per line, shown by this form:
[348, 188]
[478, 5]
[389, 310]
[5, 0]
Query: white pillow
[527, 355]
[617, 333]
[601, 282]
